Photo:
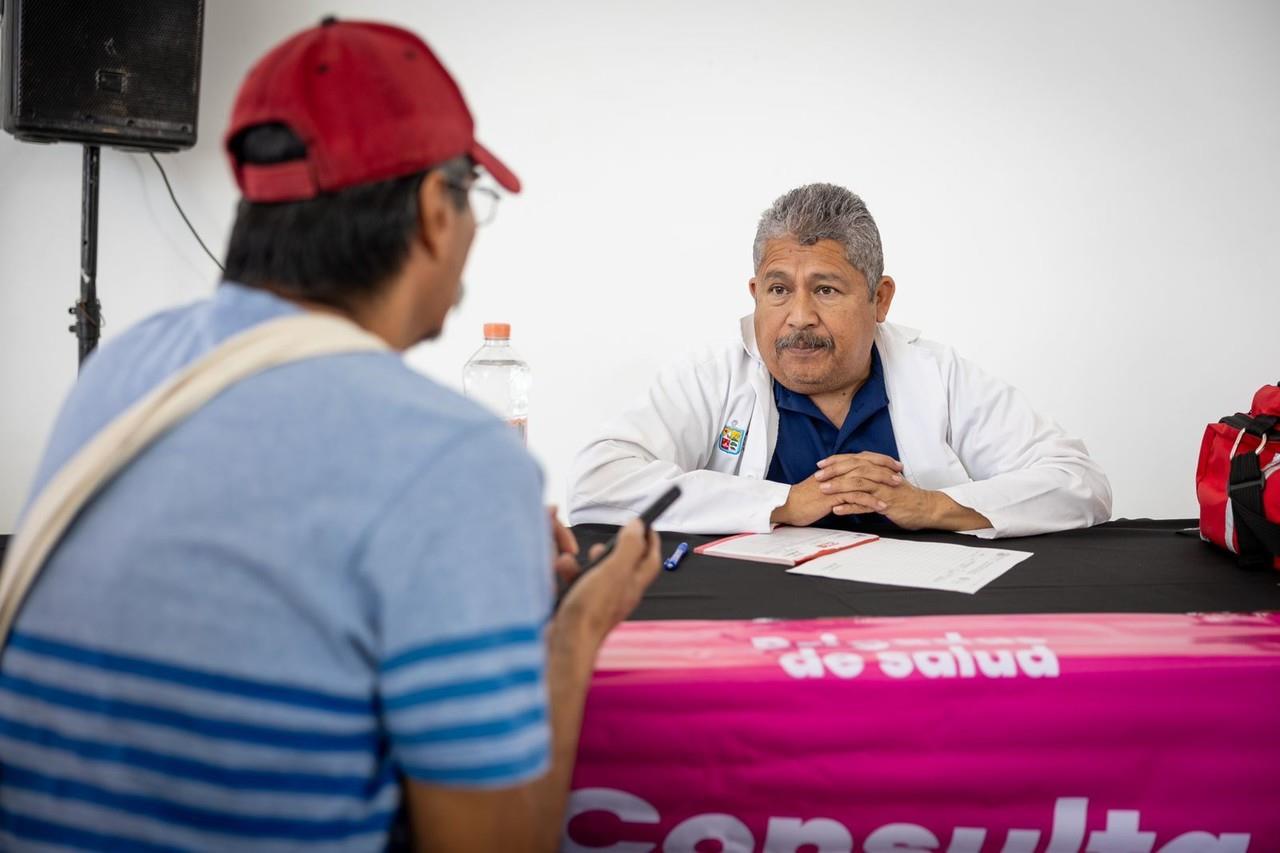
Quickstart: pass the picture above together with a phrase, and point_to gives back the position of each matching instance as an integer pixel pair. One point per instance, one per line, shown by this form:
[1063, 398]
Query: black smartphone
[648, 517]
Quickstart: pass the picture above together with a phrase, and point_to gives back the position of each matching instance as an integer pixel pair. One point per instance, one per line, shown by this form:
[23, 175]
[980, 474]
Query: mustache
[803, 338]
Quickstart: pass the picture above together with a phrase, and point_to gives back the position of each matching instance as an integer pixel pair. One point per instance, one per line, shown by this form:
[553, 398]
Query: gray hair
[825, 212]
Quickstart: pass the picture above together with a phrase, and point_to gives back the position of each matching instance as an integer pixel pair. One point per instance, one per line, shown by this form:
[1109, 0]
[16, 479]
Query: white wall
[1081, 197]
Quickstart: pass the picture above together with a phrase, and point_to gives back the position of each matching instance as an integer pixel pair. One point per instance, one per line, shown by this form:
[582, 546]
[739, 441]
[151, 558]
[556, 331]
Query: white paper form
[927, 565]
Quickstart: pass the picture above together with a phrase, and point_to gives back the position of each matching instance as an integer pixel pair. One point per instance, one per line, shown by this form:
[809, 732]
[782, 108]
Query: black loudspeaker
[121, 73]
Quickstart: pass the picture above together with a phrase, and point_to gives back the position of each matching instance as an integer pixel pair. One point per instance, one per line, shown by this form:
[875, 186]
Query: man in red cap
[325, 597]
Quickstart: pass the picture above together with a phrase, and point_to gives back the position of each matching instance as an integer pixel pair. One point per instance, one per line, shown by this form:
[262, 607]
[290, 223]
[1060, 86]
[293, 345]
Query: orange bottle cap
[497, 330]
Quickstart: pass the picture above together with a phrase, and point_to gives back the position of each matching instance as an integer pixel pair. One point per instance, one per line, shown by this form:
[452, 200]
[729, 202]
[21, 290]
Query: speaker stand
[87, 311]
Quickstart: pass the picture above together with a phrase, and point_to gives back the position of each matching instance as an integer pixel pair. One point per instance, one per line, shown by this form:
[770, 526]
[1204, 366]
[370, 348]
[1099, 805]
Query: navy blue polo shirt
[806, 435]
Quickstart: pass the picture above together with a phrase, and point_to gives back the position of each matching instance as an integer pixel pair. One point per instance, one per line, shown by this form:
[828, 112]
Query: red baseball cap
[371, 103]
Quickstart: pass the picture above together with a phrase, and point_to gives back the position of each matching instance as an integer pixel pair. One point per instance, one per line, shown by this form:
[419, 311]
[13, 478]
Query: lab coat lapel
[764, 414]
[918, 409]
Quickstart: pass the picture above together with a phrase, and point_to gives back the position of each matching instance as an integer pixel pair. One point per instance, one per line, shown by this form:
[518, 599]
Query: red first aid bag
[1238, 482]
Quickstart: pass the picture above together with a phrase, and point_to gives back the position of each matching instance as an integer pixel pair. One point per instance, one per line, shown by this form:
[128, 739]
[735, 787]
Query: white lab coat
[958, 430]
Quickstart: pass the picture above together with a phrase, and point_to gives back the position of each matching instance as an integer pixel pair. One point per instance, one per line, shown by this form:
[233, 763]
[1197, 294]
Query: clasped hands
[853, 483]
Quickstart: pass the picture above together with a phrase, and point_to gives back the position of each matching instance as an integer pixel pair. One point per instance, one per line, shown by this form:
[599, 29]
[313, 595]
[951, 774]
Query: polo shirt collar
[869, 399]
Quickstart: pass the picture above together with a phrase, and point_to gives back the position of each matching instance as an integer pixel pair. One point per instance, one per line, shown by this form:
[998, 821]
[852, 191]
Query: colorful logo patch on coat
[731, 440]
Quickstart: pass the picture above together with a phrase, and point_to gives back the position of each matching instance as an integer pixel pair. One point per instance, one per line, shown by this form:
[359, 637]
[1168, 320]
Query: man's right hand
[805, 504]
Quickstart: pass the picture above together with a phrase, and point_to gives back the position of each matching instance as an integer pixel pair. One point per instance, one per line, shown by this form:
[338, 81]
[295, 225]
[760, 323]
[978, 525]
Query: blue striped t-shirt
[334, 575]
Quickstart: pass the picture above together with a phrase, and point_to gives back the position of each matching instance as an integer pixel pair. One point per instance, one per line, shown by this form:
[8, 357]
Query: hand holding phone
[647, 517]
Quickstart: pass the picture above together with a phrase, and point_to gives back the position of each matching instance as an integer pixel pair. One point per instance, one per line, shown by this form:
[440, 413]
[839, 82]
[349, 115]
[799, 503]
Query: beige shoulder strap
[276, 342]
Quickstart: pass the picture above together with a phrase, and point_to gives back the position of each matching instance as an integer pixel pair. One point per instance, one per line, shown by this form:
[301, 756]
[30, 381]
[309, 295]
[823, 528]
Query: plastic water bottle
[497, 377]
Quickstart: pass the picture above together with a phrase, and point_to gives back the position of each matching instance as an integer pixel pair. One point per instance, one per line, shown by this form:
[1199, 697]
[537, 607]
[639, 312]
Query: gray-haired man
[824, 413]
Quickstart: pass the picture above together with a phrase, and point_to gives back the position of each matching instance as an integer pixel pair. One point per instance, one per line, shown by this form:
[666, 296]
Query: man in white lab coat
[824, 413]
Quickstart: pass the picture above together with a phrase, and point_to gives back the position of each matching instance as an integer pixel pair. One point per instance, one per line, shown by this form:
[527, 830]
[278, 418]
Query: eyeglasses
[482, 200]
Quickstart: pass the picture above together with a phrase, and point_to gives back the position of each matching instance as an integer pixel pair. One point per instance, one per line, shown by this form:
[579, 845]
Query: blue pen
[676, 556]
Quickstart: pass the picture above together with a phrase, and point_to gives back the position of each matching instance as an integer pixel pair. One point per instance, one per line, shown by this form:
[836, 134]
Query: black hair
[338, 248]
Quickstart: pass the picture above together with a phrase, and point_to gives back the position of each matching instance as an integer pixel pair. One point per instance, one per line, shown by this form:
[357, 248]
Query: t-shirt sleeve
[460, 568]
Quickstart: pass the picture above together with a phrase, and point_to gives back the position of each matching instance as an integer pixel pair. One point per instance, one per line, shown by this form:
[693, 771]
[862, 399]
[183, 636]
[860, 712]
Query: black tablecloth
[1123, 566]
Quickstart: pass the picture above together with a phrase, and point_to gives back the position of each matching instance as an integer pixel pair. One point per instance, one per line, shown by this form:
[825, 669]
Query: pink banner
[961, 734]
